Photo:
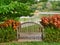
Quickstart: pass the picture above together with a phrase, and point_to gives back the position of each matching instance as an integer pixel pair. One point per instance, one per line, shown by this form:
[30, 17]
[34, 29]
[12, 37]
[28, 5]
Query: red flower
[45, 20]
[8, 23]
[55, 24]
[14, 27]
[54, 20]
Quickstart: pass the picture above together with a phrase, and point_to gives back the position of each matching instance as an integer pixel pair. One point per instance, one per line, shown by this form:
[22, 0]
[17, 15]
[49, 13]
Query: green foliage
[14, 9]
[43, 0]
[55, 5]
[52, 34]
[7, 34]
[27, 1]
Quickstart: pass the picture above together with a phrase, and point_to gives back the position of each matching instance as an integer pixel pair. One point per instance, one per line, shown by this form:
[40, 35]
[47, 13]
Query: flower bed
[52, 28]
[8, 30]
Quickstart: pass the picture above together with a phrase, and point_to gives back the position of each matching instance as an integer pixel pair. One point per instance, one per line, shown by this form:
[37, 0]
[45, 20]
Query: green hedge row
[7, 34]
[51, 34]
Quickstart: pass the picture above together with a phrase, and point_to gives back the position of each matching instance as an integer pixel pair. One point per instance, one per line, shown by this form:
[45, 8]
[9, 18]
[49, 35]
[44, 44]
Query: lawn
[31, 43]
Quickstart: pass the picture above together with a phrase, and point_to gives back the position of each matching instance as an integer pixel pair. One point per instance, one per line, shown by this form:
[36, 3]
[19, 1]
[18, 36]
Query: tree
[14, 9]
[27, 1]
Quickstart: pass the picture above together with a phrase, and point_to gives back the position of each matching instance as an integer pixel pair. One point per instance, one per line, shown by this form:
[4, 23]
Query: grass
[30, 43]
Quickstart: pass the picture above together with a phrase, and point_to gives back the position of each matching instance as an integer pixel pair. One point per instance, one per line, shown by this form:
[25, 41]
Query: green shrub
[52, 28]
[52, 34]
[7, 34]
[14, 9]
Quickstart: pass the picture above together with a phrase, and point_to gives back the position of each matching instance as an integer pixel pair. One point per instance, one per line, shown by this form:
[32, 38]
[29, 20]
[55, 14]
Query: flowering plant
[51, 28]
[8, 30]
[11, 23]
[51, 20]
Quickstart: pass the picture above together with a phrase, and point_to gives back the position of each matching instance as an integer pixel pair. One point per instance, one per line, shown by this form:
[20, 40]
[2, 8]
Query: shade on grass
[31, 43]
